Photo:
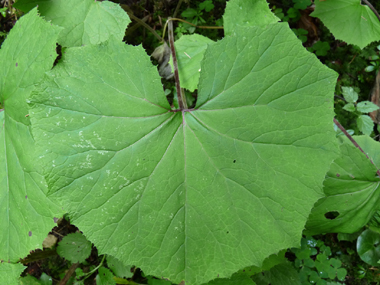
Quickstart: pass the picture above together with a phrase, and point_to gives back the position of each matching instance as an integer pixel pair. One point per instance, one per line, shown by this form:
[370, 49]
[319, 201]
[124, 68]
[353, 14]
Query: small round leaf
[367, 247]
[74, 247]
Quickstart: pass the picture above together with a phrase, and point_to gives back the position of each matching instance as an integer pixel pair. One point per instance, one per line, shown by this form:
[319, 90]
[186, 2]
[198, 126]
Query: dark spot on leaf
[55, 220]
[26, 197]
[16, 64]
[234, 160]
[228, 232]
[337, 175]
[376, 244]
[332, 215]
[30, 233]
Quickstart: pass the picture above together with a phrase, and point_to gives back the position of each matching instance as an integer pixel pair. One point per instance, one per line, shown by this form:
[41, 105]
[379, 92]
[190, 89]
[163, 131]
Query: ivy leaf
[10, 273]
[90, 22]
[367, 107]
[351, 188]
[74, 247]
[365, 124]
[349, 21]
[26, 215]
[176, 192]
[247, 13]
[190, 50]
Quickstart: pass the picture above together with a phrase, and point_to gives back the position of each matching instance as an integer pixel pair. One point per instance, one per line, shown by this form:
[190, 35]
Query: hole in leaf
[59, 52]
[30, 233]
[331, 215]
[16, 64]
[26, 197]
[337, 175]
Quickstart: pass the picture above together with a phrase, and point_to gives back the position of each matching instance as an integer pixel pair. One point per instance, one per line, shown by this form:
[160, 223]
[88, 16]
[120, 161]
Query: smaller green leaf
[367, 247]
[365, 124]
[335, 262]
[189, 13]
[350, 94]
[190, 50]
[46, 279]
[369, 68]
[301, 4]
[350, 107]
[314, 277]
[349, 21]
[293, 13]
[321, 48]
[105, 277]
[206, 5]
[366, 107]
[118, 268]
[341, 274]
[309, 263]
[74, 247]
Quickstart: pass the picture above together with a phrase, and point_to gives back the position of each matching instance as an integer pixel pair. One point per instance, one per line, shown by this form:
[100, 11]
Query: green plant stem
[182, 104]
[69, 273]
[177, 8]
[96, 268]
[145, 25]
[372, 8]
[354, 142]
[181, 20]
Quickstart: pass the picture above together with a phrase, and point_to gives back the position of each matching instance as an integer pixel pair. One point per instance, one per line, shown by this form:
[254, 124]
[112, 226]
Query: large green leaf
[84, 21]
[349, 21]
[241, 279]
[26, 215]
[247, 13]
[281, 274]
[10, 273]
[197, 194]
[351, 188]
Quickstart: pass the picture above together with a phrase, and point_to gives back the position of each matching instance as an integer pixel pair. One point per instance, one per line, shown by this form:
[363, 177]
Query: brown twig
[182, 104]
[69, 273]
[354, 142]
[145, 25]
[372, 8]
